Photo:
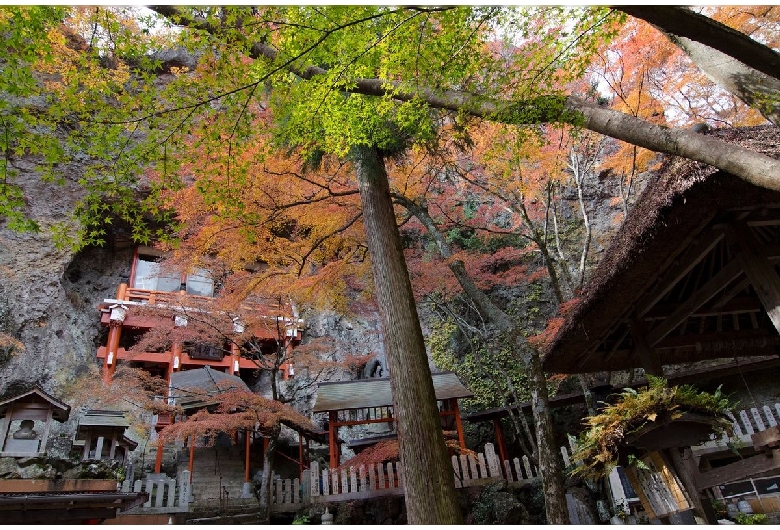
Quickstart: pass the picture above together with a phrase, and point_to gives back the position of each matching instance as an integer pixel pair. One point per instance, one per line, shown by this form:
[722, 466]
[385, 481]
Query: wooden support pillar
[192, 456]
[650, 361]
[235, 356]
[499, 431]
[686, 469]
[112, 450]
[246, 450]
[87, 445]
[175, 363]
[759, 270]
[99, 448]
[121, 292]
[458, 424]
[300, 455]
[158, 460]
[333, 437]
[109, 365]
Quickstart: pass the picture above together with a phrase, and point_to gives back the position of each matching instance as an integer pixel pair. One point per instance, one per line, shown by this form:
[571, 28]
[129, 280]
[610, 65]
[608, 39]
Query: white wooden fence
[380, 480]
[166, 495]
[745, 422]
[290, 495]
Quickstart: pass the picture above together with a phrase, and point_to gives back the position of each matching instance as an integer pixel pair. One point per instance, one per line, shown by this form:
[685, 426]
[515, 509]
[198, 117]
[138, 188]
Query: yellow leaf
[652, 416]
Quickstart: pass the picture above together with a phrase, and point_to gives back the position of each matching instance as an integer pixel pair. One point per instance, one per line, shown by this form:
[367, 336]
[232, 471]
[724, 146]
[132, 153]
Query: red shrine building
[149, 285]
[127, 318]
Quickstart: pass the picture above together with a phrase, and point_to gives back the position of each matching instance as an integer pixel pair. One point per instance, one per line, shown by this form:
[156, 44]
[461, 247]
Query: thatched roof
[683, 200]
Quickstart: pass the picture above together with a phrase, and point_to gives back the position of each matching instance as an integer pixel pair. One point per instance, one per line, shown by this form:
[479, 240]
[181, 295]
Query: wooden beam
[764, 217]
[681, 268]
[686, 470]
[724, 340]
[351, 423]
[705, 293]
[650, 361]
[732, 305]
[760, 272]
[742, 469]
[58, 516]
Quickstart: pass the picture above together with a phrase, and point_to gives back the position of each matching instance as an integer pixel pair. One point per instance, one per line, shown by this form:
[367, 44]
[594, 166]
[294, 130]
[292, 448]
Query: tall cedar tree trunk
[428, 477]
[548, 459]
[264, 495]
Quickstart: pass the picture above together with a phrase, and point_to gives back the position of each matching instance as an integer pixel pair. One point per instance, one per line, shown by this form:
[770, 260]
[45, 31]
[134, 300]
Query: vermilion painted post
[114, 332]
[458, 424]
[333, 418]
[158, 460]
[500, 439]
[235, 356]
[174, 364]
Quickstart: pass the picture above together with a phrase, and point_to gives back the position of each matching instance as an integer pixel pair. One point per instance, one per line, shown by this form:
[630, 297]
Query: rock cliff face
[33, 293]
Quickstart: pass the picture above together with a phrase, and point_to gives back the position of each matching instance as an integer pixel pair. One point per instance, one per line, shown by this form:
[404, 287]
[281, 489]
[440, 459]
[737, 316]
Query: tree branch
[683, 22]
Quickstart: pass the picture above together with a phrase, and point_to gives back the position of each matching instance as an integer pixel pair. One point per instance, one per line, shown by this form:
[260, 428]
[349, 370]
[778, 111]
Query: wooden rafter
[759, 270]
[650, 361]
[703, 295]
[694, 256]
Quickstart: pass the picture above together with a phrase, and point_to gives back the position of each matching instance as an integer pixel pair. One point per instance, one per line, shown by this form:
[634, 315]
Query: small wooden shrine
[26, 423]
[370, 401]
[101, 434]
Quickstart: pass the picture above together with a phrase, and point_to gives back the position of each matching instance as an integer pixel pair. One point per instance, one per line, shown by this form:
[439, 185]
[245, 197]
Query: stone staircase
[218, 481]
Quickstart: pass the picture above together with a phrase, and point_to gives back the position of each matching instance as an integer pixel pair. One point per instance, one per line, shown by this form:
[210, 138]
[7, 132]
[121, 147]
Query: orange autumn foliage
[387, 451]
[238, 410]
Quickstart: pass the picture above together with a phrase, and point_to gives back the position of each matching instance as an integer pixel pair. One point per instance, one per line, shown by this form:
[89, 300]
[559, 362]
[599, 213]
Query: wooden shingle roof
[369, 393]
[60, 410]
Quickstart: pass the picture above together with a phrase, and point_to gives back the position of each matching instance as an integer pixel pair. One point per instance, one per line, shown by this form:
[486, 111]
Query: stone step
[218, 479]
[225, 517]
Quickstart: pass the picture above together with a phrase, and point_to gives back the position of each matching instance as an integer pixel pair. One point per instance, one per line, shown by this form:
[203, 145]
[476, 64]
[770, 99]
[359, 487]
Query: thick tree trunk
[550, 465]
[549, 461]
[264, 495]
[428, 477]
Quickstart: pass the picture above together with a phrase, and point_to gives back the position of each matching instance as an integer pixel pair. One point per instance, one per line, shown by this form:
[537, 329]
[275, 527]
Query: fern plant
[600, 445]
